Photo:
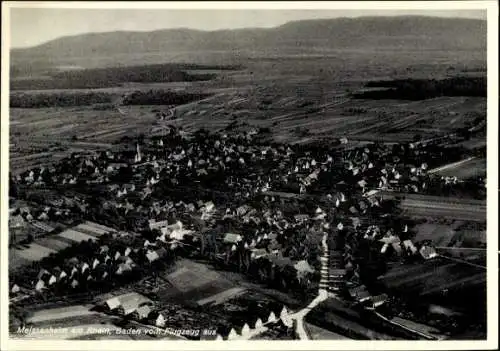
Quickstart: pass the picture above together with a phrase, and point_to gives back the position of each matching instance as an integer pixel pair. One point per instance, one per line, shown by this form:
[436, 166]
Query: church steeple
[138, 156]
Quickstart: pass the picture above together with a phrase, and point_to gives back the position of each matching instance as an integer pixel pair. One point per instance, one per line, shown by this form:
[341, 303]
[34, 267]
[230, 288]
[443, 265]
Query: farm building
[142, 312]
[16, 222]
[76, 236]
[127, 303]
[231, 238]
[59, 313]
[157, 318]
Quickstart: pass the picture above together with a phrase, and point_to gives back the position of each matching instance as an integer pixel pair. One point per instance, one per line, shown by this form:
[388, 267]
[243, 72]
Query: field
[471, 169]
[433, 277]
[43, 247]
[59, 313]
[299, 98]
[435, 206]
[439, 234]
[197, 283]
[318, 333]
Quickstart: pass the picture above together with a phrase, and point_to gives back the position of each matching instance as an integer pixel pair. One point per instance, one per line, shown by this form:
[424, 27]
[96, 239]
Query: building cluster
[171, 316]
[267, 209]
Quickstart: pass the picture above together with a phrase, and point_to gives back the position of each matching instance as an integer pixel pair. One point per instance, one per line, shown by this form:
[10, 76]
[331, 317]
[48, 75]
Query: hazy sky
[33, 26]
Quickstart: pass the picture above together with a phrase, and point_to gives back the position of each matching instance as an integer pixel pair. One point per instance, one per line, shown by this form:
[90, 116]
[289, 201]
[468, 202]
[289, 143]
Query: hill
[408, 33]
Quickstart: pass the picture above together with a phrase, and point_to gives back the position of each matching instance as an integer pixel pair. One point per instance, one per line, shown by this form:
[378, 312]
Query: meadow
[300, 98]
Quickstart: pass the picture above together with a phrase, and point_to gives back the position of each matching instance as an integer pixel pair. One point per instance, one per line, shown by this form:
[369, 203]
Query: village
[187, 230]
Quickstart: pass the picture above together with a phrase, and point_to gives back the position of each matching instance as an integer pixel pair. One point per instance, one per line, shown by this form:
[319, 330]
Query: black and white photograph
[248, 174]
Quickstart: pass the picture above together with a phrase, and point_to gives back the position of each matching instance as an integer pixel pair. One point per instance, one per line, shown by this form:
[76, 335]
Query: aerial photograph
[211, 174]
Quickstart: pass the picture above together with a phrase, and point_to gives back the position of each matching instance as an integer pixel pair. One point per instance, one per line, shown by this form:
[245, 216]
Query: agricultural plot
[16, 260]
[433, 277]
[187, 279]
[222, 296]
[35, 252]
[76, 236]
[91, 230]
[429, 206]
[59, 313]
[54, 243]
[318, 333]
[440, 235]
[197, 283]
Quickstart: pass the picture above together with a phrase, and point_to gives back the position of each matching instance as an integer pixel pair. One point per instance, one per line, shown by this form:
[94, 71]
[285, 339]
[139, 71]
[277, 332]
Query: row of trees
[65, 99]
[161, 97]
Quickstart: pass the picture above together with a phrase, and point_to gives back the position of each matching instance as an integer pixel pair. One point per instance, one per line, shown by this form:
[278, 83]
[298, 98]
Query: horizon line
[242, 28]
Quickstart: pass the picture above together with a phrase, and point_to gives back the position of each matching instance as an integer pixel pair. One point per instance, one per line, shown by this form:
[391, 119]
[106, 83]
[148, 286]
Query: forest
[116, 76]
[421, 89]
[58, 99]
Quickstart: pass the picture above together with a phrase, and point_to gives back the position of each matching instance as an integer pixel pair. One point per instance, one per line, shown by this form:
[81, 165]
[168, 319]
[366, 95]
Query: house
[390, 240]
[232, 334]
[127, 303]
[271, 318]
[84, 266]
[428, 252]
[299, 218]
[408, 245]
[378, 300]
[178, 234]
[122, 268]
[152, 256]
[16, 222]
[157, 319]
[303, 268]
[112, 303]
[360, 293]
[43, 272]
[62, 275]
[337, 273]
[40, 285]
[15, 289]
[52, 280]
[153, 224]
[245, 330]
[209, 206]
[284, 312]
[240, 211]
[126, 260]
[231, 238]
[258, 253]
[356, 222]
[280, 261]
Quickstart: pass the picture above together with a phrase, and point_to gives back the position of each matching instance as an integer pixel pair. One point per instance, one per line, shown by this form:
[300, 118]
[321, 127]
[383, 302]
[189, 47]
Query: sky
[34, 26]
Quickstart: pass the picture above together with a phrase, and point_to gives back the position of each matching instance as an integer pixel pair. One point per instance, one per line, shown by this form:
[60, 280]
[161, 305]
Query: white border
[492, 179]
